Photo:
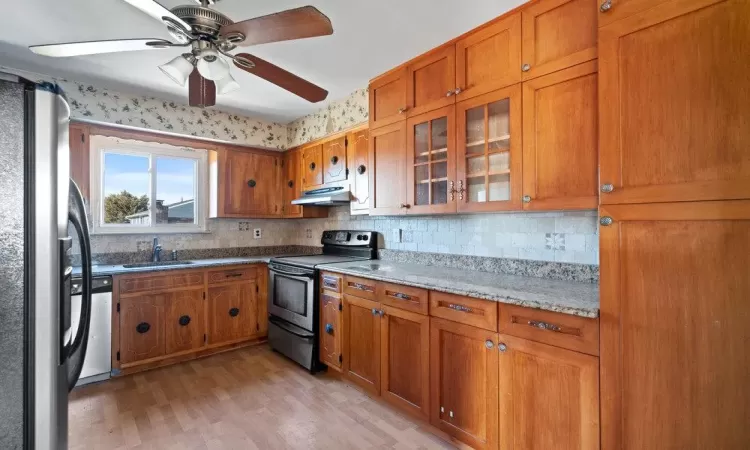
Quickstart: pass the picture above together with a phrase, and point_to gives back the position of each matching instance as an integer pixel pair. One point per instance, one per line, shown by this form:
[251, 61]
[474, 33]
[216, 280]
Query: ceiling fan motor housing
[206, 22]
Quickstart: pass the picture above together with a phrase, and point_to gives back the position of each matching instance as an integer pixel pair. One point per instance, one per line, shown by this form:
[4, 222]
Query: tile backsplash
[551, 236]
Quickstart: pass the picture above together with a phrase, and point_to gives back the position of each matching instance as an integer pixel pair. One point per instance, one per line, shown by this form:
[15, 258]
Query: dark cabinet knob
[184, 320]
[234, 312]
[329, 328]
[361, 169]
[290, 183]
[334, 160]
[251, 183]
[312, 166]
[142, 327]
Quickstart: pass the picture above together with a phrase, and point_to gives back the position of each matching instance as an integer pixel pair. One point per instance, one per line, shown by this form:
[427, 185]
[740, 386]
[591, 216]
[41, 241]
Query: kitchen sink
[156, 264]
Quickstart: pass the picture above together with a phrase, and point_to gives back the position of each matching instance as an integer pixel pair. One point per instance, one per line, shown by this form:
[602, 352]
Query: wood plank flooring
[250, 398]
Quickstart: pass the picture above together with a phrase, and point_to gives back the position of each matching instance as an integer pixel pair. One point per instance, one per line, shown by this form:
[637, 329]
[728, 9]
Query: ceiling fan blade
[298, 23]
[157, 11]
[96, 47]
[282, 78]
[201, 92]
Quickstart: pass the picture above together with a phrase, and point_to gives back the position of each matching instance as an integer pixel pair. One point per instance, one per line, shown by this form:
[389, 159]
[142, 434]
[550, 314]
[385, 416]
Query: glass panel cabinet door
[489, 151]
[431, 162]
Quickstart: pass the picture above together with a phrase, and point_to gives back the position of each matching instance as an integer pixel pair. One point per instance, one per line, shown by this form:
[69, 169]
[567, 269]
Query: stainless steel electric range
[293, 293]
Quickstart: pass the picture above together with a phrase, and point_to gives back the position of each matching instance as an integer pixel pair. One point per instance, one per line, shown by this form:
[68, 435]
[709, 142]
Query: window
[143, 187]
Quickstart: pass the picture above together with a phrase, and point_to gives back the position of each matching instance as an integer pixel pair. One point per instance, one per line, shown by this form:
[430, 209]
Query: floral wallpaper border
[337, 116]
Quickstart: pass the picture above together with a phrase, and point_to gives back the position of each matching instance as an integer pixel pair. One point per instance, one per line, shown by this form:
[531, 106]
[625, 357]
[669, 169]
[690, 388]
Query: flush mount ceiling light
[211, 36]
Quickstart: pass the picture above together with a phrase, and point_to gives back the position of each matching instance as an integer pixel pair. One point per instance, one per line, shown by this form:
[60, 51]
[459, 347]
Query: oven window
[290, 294]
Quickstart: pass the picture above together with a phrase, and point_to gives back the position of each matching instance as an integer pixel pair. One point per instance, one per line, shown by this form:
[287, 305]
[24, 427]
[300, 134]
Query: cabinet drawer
[359, 287]
[151, 283]
[576, 333]
[330, 282]
[403, 297]
[236, 274]
[470, 311]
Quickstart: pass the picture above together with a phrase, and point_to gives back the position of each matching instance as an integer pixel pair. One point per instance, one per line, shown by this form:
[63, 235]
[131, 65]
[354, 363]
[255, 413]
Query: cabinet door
[560, 152]
[388, 99]
[184, 321]
[404, 360]
[362, 343]
[334, 160]
[489, 58]
[312, 167]
[262, 301]
[674, 103]
[142, 327]
[488, 136]
[431, 162]
[330, 330]
[251, 184]
[292, 184]
[387, 179]
[356, 153]
[549, 397]
[233, 312]
[674, 334]
[464, 382]
[432, 81]
[558, 34]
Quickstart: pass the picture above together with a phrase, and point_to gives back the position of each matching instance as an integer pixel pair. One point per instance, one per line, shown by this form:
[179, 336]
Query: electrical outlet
[308, 233]
[257, 233]
[396, 236]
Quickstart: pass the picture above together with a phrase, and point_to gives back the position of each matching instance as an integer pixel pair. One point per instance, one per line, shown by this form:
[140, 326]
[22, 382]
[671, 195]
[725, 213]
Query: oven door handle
[290, 274]
[284, 326]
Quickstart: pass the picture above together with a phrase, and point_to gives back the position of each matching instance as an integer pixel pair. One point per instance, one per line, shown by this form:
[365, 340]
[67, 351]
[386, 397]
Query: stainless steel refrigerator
[40, 357]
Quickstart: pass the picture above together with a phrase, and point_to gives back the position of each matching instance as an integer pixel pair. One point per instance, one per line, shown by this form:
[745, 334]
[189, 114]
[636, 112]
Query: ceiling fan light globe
[214, 70]
[226, 85]
[178, 70]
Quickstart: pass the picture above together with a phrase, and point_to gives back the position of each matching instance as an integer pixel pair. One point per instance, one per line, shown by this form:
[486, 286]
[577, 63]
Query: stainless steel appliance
[293, 293]
[41, 355]
[97, 364]
[327, 196]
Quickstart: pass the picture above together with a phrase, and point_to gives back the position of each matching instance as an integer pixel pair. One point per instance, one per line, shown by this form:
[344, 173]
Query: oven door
[291, 294]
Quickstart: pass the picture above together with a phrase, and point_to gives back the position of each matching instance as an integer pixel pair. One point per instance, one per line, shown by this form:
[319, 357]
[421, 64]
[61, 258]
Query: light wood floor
[250, 398]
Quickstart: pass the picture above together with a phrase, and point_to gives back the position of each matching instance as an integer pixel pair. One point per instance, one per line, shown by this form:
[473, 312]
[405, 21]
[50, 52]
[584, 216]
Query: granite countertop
[569, 297]
[196, 264]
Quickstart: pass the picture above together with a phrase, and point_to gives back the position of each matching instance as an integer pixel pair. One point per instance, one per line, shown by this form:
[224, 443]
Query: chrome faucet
[156, 251]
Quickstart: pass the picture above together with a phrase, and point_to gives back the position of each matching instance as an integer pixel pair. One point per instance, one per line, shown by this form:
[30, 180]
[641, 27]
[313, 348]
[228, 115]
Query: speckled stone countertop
[193, 264]
[569, 297]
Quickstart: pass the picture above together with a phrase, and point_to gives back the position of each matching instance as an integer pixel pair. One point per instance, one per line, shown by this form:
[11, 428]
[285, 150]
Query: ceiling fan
[209, 36]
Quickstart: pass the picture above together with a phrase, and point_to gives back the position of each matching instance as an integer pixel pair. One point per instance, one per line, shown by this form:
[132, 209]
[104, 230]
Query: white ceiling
[369, 38]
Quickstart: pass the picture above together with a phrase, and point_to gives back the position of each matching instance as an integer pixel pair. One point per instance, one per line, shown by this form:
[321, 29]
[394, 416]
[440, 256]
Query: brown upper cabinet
[79, 157]
[431, 81]
[489, 58]
[388, 98]
[334, 160]
[674, 102]
[312, 167]
[387, 156]
[244, 183]
[291, 184]
[560, 151]
[431, 161]
[557, 34]
[489, 151]
[356, 154]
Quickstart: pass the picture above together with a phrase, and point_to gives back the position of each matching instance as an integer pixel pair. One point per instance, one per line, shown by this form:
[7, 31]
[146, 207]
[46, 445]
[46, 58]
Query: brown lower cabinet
[536, 389]
[159, 319]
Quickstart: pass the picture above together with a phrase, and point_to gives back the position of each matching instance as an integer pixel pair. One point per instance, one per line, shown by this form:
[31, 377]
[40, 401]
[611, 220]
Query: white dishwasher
[97, 364]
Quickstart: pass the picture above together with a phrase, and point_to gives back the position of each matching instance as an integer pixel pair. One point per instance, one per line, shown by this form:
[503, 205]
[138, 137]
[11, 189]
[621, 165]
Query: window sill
[147, 231]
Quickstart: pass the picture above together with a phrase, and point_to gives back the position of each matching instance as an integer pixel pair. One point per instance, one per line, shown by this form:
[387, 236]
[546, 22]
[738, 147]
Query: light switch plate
[257, 233]
[396, 236]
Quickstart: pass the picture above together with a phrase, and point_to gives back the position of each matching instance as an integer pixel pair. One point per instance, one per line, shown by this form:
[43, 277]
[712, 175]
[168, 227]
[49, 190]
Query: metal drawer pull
[360, 286]
[606, 6]
[544, 325]
[461, 308]
[234, 275]
[489, 344]
[375, 312]
[329, 328]
[502, 347]
[401, 296]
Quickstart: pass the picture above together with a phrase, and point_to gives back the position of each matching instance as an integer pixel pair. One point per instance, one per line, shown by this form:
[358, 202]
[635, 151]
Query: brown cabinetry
[558, 34]
[184, 321]
[681, 135]
[291, 186]
[331, 321]
[244, 183]
[549, 397]
[387, 179]
[388, 98]
[431, 81]
[233, 312]
[560, 144]
[312, 167]
[362, 343]
[80, 171]
[334, 160]
[141, 326]
[359, 173]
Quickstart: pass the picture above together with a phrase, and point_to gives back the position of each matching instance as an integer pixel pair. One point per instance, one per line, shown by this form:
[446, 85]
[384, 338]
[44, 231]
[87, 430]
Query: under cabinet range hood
[328, 196]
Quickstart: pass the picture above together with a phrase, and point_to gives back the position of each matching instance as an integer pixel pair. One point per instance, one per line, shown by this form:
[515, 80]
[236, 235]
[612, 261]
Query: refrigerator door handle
[77, 350]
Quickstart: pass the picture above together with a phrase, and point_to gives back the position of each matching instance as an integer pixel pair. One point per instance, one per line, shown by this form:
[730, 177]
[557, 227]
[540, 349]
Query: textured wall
[337, 116]
[558, 236]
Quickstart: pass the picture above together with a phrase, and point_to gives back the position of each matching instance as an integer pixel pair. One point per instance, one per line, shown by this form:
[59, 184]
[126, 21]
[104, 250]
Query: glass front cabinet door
[488, 141]
[431, 162]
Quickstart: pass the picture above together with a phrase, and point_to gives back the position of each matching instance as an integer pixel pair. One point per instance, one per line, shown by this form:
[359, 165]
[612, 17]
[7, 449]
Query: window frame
[107, 144]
